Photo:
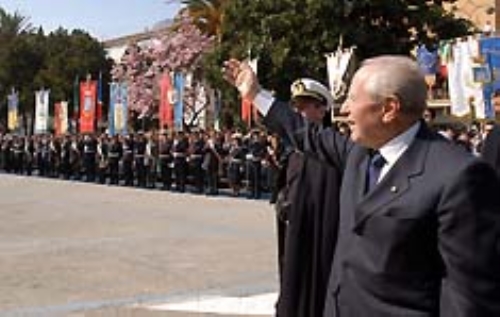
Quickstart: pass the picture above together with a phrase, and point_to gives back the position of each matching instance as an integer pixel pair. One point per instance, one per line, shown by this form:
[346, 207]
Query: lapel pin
[394, 189]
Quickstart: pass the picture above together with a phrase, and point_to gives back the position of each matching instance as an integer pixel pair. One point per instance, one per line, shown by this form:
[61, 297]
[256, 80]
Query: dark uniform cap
[306, 87]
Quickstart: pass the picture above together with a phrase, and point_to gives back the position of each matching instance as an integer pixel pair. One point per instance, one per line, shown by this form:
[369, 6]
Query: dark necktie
[376, 164]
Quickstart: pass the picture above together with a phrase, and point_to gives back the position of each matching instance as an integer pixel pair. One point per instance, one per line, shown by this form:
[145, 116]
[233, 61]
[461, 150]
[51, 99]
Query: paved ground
[76, 249]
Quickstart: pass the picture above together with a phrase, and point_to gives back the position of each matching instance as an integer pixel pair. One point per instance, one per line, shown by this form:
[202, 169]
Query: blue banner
[427, 60]
[178, 106]
[490, 73]
[118, 108]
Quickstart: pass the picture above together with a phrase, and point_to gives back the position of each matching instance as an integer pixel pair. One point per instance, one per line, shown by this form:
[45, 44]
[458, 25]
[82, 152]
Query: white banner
[41, 111]
[337, 64]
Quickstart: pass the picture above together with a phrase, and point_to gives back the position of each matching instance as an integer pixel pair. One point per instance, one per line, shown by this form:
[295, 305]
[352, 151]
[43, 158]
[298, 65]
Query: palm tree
[207, 15]
[12, 25]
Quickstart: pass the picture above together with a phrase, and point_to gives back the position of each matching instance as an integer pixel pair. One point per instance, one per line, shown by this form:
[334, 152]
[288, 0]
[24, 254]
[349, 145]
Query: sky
[103, 19]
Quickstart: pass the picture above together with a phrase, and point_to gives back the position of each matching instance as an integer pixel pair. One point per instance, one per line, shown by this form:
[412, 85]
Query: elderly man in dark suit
[419, 231]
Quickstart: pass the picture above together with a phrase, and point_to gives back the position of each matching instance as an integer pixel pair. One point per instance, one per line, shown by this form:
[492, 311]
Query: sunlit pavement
[76, 249]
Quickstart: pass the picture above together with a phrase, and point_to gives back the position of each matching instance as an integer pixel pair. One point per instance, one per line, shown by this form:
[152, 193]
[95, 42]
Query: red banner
[166, 113]
[246, 111]
[88, 91]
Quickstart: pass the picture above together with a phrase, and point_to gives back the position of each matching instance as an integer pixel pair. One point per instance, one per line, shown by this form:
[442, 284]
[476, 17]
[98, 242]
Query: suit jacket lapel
[397, 181]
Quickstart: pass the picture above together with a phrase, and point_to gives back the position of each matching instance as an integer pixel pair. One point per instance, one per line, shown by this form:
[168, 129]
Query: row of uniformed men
[142, 160]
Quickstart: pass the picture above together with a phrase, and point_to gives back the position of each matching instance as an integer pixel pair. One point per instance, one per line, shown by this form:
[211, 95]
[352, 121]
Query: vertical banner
[217, 109]
[117, 122]
[76, 104]
[99, 99]
[246, 112]
[167, 95]
[61, 118]
[88, 90]
[336, 65]
[41, 111]
[254, 113]
[490, 50]
[12, 106]
[113, 96]
[179, 106]
[465, 91]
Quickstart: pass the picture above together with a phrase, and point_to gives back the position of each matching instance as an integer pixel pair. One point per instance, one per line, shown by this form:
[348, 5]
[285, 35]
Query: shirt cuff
[263, 101]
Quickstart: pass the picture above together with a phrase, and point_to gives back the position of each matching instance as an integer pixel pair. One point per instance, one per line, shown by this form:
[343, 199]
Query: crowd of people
[197, 162]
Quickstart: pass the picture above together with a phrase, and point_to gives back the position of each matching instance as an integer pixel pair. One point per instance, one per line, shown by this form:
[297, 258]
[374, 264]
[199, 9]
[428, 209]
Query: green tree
[291, 37]
[30, 60]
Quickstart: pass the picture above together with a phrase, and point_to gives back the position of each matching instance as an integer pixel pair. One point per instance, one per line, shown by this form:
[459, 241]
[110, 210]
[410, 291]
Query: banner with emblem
[167, 98]
[337, 64]
[12, 108]
[41, 111]
[179, 105]
[489, 74]
[117, 117]
[88, 95]
[61, 118]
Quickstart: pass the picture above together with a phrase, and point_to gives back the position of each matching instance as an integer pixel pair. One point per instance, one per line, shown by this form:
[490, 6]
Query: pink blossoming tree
[177, 49]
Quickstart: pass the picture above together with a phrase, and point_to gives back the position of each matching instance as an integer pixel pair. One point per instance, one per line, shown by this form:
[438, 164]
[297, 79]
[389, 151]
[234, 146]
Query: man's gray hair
[397, 76]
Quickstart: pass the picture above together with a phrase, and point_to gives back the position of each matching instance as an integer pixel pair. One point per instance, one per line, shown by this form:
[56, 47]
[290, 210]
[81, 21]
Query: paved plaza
[77, 249]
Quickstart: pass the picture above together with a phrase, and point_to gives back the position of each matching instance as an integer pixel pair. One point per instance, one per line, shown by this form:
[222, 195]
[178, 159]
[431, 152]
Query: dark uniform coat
[311, 195]
[491, 148]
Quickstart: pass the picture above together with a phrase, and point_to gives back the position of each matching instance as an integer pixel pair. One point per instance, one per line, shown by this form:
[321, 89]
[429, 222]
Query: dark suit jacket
[491, 148]
[424, 242]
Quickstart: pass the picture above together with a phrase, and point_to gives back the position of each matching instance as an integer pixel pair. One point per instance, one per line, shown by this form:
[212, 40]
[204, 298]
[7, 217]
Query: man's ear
[391, 109]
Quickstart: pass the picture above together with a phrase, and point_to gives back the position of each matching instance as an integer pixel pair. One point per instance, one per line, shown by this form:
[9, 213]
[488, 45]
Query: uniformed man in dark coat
[29, 149]
[102, 158]
[180, 151]
[115, 155]
[166, 160]
[89, 157]
[151, 160]
[257, 148]
[196, 151]
[139, 158]
[236, 166]
[308, 208]
[128, 160]
[66, 157]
